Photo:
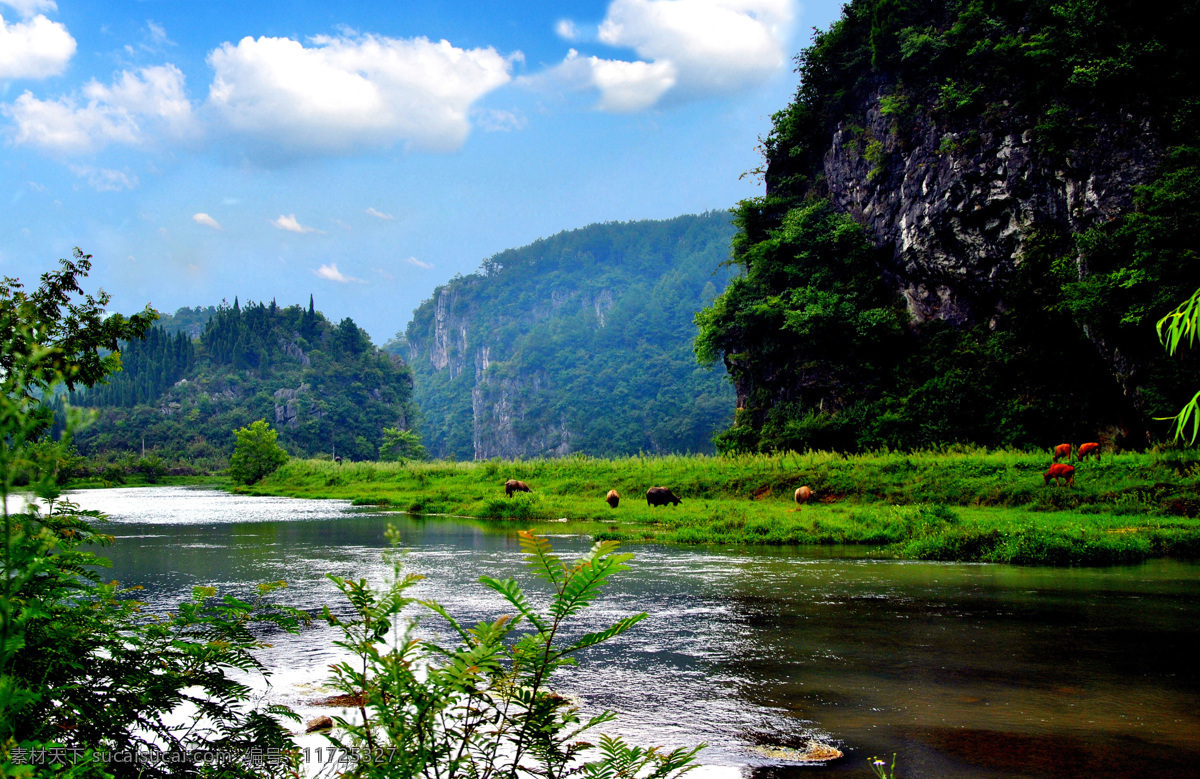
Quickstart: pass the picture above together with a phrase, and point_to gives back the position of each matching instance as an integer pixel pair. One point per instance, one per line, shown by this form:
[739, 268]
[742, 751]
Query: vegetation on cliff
[580, 342]
[1059, 133]
[323, 386]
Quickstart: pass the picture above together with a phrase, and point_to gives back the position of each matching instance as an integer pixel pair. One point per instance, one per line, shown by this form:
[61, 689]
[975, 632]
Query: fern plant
[482, 708]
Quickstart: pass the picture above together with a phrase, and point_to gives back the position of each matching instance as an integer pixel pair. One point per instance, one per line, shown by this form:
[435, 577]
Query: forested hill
[975, 212]
[581, 342]
[323, 386]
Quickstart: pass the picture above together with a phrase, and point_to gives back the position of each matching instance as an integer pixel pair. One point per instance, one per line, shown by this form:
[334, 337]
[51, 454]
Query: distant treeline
[324, 386]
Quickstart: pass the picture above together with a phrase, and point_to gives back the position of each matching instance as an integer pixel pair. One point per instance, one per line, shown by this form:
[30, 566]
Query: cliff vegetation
[975, 212]
[577, 343]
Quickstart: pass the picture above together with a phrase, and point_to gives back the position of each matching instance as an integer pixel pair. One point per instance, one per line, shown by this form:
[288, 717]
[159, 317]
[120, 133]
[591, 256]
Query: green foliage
[483, 706]
[579, 339]
[1179, 326]
[325, 386]
[83, 671]
[401, 445]
[1040, 366]
[80, 335]
[256, 454]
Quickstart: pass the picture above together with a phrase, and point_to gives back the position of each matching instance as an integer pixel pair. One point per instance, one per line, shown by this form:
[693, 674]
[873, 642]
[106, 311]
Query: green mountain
[581, 342]
[975, 212]
[323, 386]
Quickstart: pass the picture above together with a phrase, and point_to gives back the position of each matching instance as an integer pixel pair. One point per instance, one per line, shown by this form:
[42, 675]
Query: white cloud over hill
[349, 93]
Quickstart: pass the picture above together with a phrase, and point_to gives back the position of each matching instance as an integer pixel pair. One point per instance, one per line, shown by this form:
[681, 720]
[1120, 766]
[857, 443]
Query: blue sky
[367, 152]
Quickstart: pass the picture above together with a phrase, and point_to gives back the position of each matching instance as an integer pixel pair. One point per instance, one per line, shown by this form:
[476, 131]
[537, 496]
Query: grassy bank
[968, 504]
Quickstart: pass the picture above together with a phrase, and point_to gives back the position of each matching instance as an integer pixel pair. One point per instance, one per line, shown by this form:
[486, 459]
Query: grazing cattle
[338, 460]
[1062, 450]
[512, 485]
[661, 496]
[803, 494]
[1089, 448]
[612, 499]
[1060, 471]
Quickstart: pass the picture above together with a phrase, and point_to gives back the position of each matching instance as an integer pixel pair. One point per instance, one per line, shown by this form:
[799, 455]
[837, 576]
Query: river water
[961, 670]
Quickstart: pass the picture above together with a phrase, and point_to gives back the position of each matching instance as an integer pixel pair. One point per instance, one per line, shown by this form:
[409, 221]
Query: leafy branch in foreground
[482, 709]
[1178, 327]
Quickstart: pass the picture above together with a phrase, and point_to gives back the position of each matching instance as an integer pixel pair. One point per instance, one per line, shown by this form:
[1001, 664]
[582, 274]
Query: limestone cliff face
[580, 342]
[506, 418]
[955, 204]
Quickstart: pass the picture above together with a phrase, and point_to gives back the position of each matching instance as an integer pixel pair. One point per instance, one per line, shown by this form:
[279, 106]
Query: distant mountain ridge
[325, 387]
[577, 343]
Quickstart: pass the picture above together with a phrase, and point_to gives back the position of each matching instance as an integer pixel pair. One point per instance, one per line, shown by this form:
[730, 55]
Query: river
[960, 669]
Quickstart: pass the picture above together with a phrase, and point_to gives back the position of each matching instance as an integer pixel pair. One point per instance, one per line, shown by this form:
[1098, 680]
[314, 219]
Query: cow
[512, 485]
[1092, 448]
[338, 460]
[1062, 450]
[1060, 471]
[803, 494]
[661, 496]
[612, 499]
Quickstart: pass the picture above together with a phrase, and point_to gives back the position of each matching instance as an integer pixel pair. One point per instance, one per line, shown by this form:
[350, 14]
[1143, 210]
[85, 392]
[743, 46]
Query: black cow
[661, 496]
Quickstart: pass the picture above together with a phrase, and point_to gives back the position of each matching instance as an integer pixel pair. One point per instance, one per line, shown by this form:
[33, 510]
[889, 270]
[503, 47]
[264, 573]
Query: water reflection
[964, 670]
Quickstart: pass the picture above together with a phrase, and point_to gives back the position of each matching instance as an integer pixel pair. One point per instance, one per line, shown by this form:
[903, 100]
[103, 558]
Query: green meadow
[958, 503]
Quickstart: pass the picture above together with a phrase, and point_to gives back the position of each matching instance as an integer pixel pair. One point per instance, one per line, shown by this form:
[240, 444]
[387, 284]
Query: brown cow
[661, 496]
[803, 494]
[1062, 450]
[1060, 471]
[512, 485]
[612, 498]
[1089, 448]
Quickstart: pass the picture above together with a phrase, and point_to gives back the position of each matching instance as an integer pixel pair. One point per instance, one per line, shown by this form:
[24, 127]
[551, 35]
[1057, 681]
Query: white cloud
[494, 120]
[716, 45]
[380, 215]
[566, 29]
[688, 48]
[38, 48]
[352, 92]
[27, 8]
[103, 179]
[207, 221]
[332, 273]
[134, 110]
[158, 33]
[290, 224]
[418, 263]
[623, 86]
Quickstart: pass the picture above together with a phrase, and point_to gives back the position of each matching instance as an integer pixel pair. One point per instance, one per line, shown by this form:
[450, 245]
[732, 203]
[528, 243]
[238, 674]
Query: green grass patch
[952, 504]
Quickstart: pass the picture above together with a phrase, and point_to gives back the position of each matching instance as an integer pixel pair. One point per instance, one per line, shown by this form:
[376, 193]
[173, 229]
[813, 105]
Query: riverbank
[966, 505]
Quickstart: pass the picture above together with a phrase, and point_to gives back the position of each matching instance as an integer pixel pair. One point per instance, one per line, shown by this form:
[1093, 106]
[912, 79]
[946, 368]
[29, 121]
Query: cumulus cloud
[37, 48]
[624, 86]
[103, 179]
[207, 221]
[418, 263]
[717, 45]
[135, 109]
[332, 273]
[27, 8]
[290, 224]
[690, 48]
[380, 215]
[352, 92]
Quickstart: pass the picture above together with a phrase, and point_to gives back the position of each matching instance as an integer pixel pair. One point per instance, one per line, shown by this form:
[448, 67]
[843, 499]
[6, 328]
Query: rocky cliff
[578, 343]
[1020, 170]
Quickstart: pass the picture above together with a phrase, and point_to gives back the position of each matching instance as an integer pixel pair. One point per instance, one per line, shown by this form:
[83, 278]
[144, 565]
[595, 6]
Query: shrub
[256, 453]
